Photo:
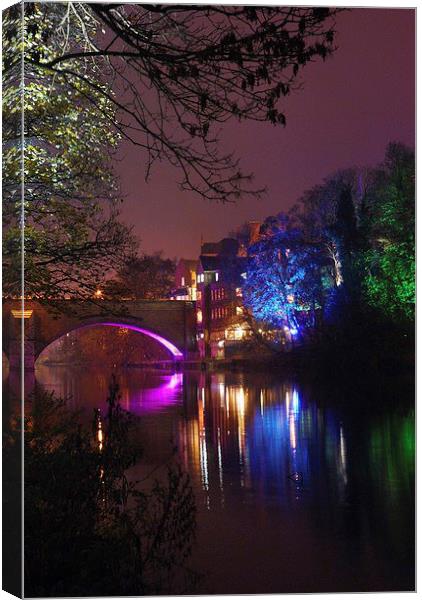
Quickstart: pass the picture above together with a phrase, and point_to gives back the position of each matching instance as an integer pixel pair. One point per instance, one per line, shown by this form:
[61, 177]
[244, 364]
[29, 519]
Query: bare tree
[175, 73]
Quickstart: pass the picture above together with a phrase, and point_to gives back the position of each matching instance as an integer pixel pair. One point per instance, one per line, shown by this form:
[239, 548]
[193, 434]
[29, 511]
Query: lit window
[238, 333]
[199, 316]
[183, 281]
[239, 292]
[216, 276]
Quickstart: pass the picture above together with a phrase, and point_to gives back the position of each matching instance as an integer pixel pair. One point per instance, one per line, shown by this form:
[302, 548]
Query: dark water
[346, 525]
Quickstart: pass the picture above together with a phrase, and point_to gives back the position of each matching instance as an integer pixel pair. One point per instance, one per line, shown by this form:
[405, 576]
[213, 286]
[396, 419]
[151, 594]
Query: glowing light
[221, 344]
[22, 314]
[98, 294]
[171, 347]
[199, 316]
[100, 437]
[238, 333]
[176, 380]
[295, 399]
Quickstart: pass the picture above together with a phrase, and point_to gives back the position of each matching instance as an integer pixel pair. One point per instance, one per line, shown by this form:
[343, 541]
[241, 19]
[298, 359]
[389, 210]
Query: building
[214, 282]
[221, 321]
[185, 280]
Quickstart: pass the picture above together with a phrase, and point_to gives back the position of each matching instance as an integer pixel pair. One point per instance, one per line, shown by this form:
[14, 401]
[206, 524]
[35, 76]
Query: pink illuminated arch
[171, 347]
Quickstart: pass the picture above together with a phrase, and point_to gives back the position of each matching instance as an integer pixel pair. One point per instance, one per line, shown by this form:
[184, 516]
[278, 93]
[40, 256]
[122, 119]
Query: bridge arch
[176, 353]
[170, 323]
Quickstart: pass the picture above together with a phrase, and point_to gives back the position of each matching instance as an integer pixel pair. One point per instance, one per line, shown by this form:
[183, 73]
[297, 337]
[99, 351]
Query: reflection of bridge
[171, 323]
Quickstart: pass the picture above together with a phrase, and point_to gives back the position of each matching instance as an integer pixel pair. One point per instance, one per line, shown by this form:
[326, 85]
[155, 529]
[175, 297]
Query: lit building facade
[185, 280]
[221, 323]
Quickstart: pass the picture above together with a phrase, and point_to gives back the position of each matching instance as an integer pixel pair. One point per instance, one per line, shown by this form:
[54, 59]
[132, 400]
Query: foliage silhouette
[90, 528]
[178, 72]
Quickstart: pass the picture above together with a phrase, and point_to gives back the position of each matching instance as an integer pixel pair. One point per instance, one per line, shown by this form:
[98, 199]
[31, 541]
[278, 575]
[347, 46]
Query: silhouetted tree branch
[177, 72]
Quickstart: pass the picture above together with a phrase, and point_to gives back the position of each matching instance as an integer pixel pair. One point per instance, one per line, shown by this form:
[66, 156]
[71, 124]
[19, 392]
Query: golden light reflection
[100, 435]
[203, 455]
[343, 464]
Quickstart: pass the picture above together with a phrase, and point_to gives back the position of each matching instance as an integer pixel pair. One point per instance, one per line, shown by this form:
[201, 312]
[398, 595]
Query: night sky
[350, 107]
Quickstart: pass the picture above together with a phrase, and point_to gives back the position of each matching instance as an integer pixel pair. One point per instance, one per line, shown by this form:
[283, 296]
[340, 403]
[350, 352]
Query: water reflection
[268, 459]
[257, 438]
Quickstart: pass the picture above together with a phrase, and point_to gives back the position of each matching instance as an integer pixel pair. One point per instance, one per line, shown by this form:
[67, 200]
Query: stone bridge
[170, 322]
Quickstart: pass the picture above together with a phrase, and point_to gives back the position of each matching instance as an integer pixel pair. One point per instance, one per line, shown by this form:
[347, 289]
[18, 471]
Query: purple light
[171, 347]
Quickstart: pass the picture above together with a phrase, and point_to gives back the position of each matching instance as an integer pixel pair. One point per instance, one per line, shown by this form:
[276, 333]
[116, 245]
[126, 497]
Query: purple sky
[350, 107]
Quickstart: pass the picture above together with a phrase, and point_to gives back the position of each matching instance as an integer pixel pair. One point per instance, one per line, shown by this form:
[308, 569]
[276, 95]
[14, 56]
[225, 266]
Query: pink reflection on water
[157, 398]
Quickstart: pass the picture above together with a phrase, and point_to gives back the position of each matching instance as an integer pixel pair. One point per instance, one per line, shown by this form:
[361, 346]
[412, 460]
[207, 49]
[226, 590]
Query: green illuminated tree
[390, 280]
[68, 206]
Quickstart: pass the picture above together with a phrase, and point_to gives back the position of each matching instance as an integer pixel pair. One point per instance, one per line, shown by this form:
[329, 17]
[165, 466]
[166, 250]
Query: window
[238, 333]
[216, 276]
[239, 292]
[183, 282]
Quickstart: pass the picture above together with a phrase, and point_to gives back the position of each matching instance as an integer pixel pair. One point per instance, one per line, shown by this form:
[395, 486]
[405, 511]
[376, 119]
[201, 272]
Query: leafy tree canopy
[72, 236]
[347, 247]
[390, 260]
[147, 276]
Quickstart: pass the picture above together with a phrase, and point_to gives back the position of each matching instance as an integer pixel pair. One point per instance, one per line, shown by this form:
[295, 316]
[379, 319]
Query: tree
[284, 287]
[68, 211]
[390, 278]
[180, 72]
[90, 530]
[147, 277]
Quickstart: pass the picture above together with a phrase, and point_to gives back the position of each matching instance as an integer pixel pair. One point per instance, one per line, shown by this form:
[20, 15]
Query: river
[294, 493]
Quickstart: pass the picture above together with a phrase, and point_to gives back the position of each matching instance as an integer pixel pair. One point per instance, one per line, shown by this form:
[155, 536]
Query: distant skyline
[349, 109]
